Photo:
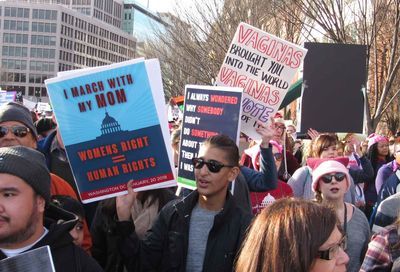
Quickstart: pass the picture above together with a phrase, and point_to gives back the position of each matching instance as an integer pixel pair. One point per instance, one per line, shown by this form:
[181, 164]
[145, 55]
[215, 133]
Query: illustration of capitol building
[109, 125]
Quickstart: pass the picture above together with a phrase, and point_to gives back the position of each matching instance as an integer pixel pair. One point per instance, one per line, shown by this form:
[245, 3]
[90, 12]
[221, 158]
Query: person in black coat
[27, 218]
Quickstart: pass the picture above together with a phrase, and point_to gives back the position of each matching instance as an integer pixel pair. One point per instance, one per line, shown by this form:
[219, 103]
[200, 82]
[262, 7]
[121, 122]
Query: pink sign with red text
[264, 66]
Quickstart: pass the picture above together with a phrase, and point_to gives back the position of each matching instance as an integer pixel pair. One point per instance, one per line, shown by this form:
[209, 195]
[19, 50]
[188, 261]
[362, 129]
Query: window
[42, 53]
[14, 51]
[16, 25]
[13, 77]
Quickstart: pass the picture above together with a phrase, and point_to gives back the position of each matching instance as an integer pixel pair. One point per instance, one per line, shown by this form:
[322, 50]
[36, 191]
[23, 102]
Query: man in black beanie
[17, 128]
[24, 200]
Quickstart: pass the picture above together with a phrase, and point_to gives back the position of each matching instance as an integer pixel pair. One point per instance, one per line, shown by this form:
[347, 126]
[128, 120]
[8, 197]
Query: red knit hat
[321, 167]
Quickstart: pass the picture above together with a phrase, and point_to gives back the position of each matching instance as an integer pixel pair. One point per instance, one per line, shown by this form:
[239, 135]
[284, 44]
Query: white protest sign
[264, 66]
[43, 106]
[36, 260]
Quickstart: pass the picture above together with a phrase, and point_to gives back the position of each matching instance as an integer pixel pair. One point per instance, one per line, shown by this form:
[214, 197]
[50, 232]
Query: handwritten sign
[113, 125]
[208, 111]
[264, 66]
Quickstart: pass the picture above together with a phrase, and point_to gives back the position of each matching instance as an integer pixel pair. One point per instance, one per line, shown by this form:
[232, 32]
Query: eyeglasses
[212, 165]
[327, 178]
[278, 156]
[280, 127]
[19, 131]
[332, 252]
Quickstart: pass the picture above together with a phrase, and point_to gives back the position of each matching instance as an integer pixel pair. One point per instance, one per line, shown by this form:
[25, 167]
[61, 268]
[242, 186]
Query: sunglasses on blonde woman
[327, 178]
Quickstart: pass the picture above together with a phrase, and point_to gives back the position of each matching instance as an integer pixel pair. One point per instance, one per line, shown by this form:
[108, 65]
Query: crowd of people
[277, 204]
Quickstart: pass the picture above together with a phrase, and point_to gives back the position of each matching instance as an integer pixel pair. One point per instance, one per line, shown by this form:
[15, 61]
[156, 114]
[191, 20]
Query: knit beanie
[13, 111]
[29, 165]
[321, 167]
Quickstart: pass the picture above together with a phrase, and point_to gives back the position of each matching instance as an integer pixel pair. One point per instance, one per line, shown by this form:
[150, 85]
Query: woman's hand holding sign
[124, 203]
[266, 132]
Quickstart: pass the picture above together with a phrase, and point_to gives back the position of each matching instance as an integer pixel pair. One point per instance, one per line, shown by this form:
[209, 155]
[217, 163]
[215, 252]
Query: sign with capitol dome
[113, 125]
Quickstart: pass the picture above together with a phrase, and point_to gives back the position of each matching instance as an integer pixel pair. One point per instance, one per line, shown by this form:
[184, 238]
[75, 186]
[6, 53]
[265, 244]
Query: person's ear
[41, 203]
[233, 173]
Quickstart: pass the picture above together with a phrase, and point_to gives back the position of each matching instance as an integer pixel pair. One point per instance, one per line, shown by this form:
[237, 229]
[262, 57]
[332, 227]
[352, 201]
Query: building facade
[142, 24]
[40, 39]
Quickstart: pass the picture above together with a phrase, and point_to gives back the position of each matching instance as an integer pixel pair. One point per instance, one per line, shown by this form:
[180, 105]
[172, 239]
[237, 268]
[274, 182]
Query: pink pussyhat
[376, 138]
[321, 167]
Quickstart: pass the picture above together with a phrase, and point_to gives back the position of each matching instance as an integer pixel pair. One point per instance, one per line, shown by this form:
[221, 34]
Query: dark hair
[226, 144]
[286, 236]
[372, 155]
[44, 125]
[322, 141]
[69, 204]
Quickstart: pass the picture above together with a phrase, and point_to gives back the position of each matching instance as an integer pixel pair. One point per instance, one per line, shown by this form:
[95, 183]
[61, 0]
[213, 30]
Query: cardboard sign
[334, 80]
[264, 66]
[113, 125]
[208, 111]
[36, 260]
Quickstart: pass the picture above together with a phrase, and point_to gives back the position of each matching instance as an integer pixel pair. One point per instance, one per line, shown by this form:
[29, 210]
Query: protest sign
[36, 260]
[7, 96]
[43, 106]
[335, 78]
[113, 125]
[208, 111]
[264, 66]
[29, 104]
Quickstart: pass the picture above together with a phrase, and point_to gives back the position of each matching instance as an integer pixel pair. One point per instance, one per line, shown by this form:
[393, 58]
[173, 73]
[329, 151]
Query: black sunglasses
[19, 131]
[327, 178]
[212, 165]
[331, 252]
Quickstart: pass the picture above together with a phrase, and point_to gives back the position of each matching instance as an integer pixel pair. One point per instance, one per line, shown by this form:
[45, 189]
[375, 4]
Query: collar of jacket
[185, 206]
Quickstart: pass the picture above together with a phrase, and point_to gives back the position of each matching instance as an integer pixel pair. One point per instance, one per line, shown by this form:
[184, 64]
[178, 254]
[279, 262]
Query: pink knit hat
[376, 138]
[325, 166]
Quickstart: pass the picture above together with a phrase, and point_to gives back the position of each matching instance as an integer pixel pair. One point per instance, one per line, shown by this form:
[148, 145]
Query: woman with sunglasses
[331, 180]
[324, 146]
[294, 235]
